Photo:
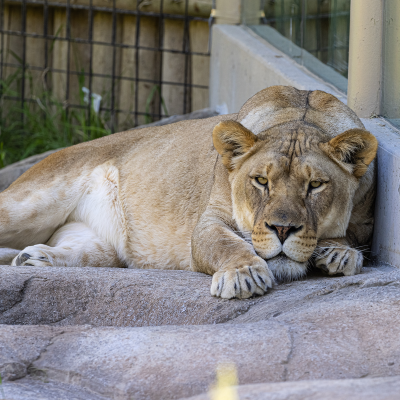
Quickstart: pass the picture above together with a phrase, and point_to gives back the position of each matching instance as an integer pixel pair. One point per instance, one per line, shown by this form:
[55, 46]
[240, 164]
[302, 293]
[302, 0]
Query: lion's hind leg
[73, 245]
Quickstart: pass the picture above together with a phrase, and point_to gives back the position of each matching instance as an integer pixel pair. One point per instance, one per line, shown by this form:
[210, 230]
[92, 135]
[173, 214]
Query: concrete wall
[386, 241]
[243, 63]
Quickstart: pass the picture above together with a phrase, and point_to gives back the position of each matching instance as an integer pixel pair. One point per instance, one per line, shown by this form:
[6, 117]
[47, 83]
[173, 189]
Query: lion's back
[281, 104]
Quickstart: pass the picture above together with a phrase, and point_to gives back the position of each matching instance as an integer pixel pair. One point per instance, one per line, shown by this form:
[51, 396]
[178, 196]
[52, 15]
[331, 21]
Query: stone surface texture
[344, 389]
[169, 335]
[39, 388]
[7, 255]
[111, 297]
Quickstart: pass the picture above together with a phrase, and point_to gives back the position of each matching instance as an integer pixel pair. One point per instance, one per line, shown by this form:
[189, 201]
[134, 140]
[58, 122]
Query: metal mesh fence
[43, 44]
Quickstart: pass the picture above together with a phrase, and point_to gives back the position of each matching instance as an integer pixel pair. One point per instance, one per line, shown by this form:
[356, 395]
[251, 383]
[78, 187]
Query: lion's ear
[353, 149]
[231, 139]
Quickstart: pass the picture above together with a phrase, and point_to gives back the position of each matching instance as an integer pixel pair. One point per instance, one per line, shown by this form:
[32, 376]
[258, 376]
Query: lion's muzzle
[283, 231]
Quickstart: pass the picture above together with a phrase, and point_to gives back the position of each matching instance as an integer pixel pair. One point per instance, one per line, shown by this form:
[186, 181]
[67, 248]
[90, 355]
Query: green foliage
[154, 90]
[1, 387]
[43, 123]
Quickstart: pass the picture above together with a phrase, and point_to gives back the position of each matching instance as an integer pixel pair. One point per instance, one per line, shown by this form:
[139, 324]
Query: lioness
[245, 197]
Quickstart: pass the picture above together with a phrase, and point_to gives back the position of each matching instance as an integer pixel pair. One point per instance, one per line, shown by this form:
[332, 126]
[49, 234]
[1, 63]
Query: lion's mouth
[286, 269]
[281, 256]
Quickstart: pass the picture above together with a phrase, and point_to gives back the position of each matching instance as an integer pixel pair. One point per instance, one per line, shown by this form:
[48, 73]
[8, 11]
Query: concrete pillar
[235, 12]
[391, 61]
[365, 57]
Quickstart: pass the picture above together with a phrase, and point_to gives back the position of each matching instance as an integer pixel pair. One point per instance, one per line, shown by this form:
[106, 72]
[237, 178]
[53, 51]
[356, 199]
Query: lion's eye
[315, 184]
[261, 180]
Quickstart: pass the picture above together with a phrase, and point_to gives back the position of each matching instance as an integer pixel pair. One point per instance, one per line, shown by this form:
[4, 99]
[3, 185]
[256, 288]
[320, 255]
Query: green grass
[155, 89]
[45, 123]
[1, 387]
[42, 124]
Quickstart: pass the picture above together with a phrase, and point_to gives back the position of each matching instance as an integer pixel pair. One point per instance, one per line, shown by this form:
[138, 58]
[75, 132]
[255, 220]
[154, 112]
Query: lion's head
[295, 161]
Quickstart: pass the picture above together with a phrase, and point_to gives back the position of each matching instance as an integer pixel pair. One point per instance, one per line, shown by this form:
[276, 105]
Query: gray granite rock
[344, 389]
[128, 297]
[21, 347]
[111, 297]
[170, 362]
[40, 388]
[7, 255]
[319, 328]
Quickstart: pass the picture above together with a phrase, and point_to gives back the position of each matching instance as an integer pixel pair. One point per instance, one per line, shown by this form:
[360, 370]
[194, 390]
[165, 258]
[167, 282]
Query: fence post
[173, 67]
[235, 12]
[365, 57]
[200, 65]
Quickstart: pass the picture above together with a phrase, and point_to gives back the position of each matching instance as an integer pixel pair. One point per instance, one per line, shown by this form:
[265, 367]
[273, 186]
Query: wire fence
[130, 62]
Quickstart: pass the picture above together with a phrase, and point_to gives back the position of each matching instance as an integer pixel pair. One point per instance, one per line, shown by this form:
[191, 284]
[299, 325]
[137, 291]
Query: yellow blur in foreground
[224, 388]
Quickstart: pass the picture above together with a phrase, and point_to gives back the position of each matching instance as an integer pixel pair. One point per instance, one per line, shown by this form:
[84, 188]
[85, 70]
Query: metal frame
[301, 18]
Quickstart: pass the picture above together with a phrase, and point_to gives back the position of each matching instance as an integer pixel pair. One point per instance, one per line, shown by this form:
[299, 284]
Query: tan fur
[186, 196]
[354, 143]
[232, 140]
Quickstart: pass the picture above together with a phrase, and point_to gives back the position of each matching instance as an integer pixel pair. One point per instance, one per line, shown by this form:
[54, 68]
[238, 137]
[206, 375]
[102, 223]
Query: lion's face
[289, 194]
[291, 186]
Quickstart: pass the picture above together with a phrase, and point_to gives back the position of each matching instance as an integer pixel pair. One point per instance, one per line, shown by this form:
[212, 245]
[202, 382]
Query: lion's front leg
[242, 279]
[237, 270]
[336, 256]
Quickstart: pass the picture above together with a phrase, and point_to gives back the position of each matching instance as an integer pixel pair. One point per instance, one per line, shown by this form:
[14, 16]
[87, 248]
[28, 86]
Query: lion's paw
[243, 282]
[339, 260]
[33, 256]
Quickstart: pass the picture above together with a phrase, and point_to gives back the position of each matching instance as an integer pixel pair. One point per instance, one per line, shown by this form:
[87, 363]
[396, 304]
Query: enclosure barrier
[146, 59]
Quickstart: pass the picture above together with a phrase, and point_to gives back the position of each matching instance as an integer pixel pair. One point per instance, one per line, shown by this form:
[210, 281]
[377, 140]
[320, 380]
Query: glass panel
[391, 62]
[315, 33]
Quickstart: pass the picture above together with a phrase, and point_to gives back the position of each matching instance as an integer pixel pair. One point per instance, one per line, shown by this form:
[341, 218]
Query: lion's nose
[283, 232]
